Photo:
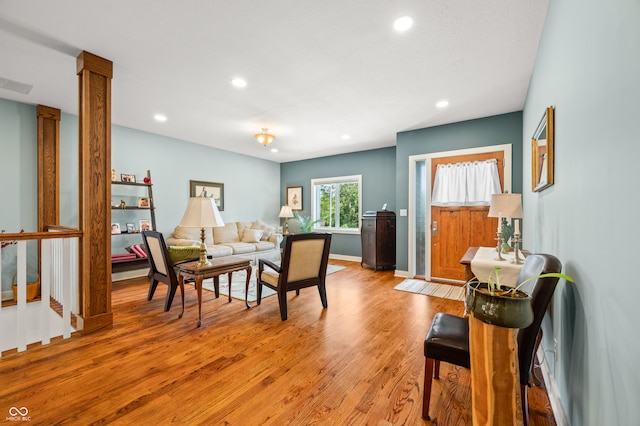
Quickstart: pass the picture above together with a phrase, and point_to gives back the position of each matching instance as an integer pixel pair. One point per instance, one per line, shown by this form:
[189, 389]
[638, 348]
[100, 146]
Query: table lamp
[505, 207]
[202, 213]
[286, 212]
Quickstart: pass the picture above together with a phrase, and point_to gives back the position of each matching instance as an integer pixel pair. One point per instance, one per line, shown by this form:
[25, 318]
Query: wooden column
[94, 118]
[48, 166]
[495, 383]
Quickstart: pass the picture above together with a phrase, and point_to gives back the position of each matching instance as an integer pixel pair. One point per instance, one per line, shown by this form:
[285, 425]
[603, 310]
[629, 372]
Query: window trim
[314, 208]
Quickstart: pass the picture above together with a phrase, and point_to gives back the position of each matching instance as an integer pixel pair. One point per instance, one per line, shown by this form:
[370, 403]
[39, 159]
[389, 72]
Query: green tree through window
[337, 202]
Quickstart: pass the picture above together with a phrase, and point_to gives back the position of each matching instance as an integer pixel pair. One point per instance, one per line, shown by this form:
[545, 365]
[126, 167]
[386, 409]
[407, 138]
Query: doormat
[427, 288]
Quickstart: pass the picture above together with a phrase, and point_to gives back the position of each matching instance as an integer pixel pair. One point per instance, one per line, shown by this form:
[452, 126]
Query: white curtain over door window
[466, 184]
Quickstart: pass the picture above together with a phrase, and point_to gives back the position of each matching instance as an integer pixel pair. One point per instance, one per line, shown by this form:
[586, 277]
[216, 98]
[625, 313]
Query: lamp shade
[285, 211]
[201, 213]
[506, 205]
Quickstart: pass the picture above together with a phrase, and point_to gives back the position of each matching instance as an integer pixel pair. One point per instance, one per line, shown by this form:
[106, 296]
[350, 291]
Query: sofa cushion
[252, 235]
[264, 245]
[268, 229]
[219, 250]
[183, 233]
[226, 234]
[241, 228]
[241, 248]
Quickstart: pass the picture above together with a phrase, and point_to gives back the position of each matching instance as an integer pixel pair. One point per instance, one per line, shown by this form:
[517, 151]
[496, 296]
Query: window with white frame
[336, 203]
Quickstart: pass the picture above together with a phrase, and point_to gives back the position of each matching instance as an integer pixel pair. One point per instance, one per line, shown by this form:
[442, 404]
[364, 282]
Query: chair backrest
[159, 260]
[541, 291]
[305, 257]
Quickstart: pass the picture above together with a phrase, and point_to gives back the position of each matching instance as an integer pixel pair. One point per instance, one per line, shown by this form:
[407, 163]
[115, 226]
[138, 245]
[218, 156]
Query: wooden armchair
[304, 264]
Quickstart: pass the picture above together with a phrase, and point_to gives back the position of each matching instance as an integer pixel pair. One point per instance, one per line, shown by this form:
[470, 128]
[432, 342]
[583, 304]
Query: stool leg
[426, 392]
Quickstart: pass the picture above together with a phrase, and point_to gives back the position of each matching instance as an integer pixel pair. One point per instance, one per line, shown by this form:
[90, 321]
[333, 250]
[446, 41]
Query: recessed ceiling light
[239, 82]
[442, 104]
[274, 149]
[160, 118]
[403, 23]
[345, 136]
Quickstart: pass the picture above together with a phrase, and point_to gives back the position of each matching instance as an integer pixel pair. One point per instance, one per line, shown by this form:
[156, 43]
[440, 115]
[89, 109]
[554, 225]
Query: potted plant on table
[305, 222]
[496, 304]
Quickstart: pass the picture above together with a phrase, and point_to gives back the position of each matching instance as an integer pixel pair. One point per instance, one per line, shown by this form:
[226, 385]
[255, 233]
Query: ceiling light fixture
[346, 137]
[403, 23]
[238, 82]
[265, 138]
[160, 118]
[442, 104]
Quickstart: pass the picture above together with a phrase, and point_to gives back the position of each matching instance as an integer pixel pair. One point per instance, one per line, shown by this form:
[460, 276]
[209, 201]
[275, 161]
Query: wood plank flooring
[359, 362]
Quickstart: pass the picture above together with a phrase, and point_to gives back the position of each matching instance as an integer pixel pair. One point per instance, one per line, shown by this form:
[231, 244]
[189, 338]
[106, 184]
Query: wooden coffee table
[219, 266]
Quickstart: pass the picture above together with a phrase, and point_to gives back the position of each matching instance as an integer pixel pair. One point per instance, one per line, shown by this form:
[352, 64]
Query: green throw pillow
[182, 253]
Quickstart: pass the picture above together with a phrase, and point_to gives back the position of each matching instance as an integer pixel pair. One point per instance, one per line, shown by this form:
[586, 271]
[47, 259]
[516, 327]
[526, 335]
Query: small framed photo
[145, 225]
[294, 197]
[124, 177]
[115, 228]
[113, 175]
[143, 202]
[215, 190]
[131, 228]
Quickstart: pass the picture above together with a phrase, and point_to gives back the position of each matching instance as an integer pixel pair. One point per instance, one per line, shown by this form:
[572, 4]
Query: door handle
[434, 228]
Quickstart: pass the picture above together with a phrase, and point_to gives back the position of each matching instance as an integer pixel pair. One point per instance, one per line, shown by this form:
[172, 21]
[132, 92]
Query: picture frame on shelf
[215, 190]
[294, 197]
[131, 228]
[125, 177]
[115, 229]
[114, 177]
[143, 202]
[145, 225]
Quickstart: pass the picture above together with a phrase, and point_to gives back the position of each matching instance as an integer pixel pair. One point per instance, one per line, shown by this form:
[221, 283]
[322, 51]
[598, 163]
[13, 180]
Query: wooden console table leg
[495, 383]
[230, 273]
[246, 287]
[199, 289]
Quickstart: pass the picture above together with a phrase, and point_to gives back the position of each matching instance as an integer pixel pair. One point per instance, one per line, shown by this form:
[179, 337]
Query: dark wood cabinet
[378, 240]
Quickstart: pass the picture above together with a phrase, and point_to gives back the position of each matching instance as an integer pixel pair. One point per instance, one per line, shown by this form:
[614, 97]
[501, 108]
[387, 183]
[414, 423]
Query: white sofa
[250, 240]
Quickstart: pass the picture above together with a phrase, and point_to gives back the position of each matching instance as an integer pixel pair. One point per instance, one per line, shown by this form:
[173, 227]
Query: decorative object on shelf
[123, 204]
[33, 287]
[145, 225]
[265, 138]
[115, 228]
[286, 212]
[294, 197]
[147, 180]
[505, 207]
[113, 175]
[143, 202]
[542, 152]
[202, 213]
[131, 228]
[215, 190]
[127, 178]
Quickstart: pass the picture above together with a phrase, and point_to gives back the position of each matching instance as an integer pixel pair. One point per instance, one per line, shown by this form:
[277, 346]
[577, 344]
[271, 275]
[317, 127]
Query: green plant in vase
[305, 222]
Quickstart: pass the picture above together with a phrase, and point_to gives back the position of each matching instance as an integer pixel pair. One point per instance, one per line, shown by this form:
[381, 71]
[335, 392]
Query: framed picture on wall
[215, 190]
[294, 197]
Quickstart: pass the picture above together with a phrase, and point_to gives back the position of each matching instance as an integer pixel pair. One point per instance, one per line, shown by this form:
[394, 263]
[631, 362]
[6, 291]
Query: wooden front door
[455, 229]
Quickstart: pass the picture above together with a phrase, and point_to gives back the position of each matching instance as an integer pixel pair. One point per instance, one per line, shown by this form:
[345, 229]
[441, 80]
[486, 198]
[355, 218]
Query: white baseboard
[345, 257]
[552, 390]
[401, 273]
[126, 275]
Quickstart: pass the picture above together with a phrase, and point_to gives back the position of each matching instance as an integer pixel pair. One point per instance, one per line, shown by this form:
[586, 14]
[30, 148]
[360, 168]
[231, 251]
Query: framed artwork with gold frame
[542, 150]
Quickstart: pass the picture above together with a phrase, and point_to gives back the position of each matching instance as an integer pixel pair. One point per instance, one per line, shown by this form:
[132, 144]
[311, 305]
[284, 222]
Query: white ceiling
[316, 69]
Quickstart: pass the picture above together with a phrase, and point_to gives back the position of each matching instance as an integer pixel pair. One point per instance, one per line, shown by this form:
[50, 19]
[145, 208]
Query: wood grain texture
[94, 81]
[48, 166]
[360, 361]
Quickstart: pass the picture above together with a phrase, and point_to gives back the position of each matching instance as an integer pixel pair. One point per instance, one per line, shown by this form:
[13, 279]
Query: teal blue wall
[496, 130]
[588, 67]
[377, 168]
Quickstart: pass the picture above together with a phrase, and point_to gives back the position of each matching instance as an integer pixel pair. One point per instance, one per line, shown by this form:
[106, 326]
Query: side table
[219, 266]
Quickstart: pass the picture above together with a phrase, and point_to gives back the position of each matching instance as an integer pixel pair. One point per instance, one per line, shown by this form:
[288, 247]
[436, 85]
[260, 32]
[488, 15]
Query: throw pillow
[268, 229]
[226, 234]
[252, 235]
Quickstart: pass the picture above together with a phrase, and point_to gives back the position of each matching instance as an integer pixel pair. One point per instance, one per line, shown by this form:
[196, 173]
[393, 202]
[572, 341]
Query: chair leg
[258, 292]
[152, 288]
[436, 369]
[282, 300]
[426, 392]
[322, 289]
[171, 291]
[525, 404]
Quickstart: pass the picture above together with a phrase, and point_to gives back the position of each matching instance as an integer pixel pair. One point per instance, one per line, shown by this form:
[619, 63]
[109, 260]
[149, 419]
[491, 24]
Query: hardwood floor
[358, 362]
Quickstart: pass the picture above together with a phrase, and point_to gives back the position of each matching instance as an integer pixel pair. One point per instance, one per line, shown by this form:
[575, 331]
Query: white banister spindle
[21, 272]
[66, 289]
[45, 290]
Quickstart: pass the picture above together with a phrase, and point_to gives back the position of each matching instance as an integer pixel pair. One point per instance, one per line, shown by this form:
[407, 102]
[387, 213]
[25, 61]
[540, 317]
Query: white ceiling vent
[15, 86]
